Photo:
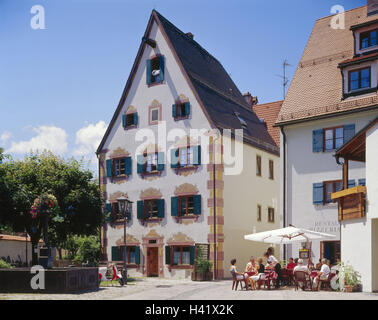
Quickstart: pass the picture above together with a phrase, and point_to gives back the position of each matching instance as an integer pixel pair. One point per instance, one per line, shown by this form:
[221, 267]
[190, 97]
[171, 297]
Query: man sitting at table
[291, 265]
[322, 274]
[301, 267]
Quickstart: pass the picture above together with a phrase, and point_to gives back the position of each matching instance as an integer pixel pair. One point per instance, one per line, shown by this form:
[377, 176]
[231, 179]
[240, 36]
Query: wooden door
[153, 262]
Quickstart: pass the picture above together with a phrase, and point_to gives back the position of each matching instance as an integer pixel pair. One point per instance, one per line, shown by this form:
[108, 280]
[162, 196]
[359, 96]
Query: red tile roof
[269, 112]
[8, 237]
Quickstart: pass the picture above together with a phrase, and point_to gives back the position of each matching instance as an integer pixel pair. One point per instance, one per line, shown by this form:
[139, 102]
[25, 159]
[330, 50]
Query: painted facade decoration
[177, 204]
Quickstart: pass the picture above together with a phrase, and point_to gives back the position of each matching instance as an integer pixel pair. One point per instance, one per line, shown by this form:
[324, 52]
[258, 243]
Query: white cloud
[5, 136]
[88, 139]
[48, 137]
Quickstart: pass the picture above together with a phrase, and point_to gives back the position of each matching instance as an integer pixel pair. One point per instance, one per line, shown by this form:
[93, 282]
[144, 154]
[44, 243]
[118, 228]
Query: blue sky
[60, 86]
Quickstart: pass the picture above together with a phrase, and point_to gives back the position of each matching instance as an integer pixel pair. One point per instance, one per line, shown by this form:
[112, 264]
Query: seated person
[251, 270]
[322, 274]
[260, 273]
[239, 276]
[318, 265]
[291, 265]
[301, 267]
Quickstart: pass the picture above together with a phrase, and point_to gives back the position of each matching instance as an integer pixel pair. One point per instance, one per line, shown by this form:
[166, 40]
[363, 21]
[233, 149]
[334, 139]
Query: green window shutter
[174, 206]
[140, 209]
[192, 250]
[115, 253]
[148, 70]
[162, 67]
[187, 108]
[317, 193]
[109, 168]
[351, 183]
[174, 158]
[124, 120]
[317, 140]
[197, 155]
[135, 118]
[349, 131]
[161, 160]
[174, 109]
[168, 255]
[197, 204]
[161, 208]
[128, 166]
[137, 255]
[140, 164]
[362, 182]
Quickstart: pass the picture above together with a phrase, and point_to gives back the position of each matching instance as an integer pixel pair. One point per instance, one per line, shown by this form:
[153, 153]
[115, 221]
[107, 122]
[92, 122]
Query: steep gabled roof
[217, 94]
[316, 90]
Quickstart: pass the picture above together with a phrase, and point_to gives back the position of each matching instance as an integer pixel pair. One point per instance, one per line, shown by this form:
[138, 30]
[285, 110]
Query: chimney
[190, 35]
[372, 7]
[250, 99]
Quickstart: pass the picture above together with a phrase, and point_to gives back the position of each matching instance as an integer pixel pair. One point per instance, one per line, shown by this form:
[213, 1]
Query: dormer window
[359, 79]
[368, 39]
[155, 70]
[242, 121]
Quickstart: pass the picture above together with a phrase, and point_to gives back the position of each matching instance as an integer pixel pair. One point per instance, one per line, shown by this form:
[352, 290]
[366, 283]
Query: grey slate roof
[219, 95]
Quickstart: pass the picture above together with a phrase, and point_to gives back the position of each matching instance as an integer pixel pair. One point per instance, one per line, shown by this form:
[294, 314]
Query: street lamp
[125, 208]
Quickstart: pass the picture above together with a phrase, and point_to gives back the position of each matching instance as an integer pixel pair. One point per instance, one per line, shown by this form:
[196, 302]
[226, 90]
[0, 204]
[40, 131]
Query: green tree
[78, 197]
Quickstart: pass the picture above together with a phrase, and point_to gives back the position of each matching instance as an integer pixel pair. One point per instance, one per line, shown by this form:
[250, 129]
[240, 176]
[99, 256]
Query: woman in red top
[291, 265]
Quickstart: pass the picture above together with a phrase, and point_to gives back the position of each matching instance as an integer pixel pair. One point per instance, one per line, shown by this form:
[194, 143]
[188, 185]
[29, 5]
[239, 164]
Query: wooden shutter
[351, 183]
[137, 255]
[124, 120]
[318, 193]
[317, 140]
[140, 164]
[174, 206]
[197, 155]
[140, 209]
[174, 109]
[349, 131]
[161, 160]
[161, 207]
[115, 253]
[197, 204]
[362, 182]
[168, 255]
[108, 209]
[187, 108]
[128, 165]
[148, 70]
[174, 158]
[135, 118]
[162, 68]
[109, 168]
[192, 250]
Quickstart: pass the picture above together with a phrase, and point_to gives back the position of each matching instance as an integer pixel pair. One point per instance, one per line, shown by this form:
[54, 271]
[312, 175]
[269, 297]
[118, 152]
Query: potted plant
[202, 270]
[351, 277]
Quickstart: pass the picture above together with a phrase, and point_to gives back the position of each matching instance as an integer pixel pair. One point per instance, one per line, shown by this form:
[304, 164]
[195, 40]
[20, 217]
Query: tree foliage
[78, 196]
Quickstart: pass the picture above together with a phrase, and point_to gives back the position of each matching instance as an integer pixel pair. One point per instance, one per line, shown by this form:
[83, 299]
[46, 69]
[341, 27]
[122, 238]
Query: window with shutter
[181, 110]
[168, 255]
[317, 193]
[174, 158]
[155, 70]
[115, 253]
[317, 140]
[330, 187]
[174, 206]
[109, 168]
[130, 120]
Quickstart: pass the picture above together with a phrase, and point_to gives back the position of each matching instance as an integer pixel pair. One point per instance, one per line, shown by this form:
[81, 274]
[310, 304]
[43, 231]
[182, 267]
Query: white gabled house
[182, 202]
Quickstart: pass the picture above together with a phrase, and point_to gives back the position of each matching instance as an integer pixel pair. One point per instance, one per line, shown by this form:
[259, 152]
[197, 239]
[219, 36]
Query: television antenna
[285, 79]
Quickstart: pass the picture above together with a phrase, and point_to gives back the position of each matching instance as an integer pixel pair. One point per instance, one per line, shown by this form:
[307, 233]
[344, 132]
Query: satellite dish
[155, 72]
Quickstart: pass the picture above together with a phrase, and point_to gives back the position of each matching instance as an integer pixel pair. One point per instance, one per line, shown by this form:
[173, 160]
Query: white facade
[171, 231]
[305, 167]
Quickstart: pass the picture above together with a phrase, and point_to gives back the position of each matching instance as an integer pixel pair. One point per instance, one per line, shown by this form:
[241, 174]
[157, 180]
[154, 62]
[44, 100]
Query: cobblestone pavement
[166, 289]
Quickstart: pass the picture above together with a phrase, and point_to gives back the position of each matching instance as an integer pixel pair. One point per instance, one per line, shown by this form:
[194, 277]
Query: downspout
[284, 186]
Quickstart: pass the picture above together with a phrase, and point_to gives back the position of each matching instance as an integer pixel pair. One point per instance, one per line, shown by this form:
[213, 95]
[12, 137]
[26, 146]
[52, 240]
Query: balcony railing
[351, 203]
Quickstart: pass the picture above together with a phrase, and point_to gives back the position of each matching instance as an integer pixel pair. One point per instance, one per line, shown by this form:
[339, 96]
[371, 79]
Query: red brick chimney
[250, 99]
[372, 7]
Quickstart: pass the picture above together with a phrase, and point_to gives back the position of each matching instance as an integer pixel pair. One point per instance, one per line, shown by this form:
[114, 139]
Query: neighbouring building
[15, 248]
[179, 197]
[332, 96]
